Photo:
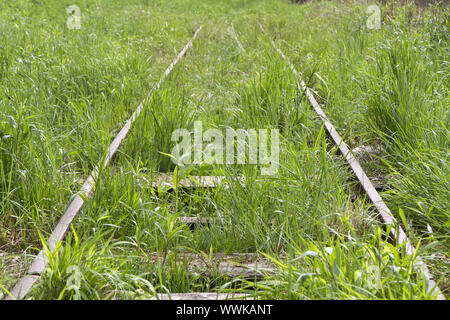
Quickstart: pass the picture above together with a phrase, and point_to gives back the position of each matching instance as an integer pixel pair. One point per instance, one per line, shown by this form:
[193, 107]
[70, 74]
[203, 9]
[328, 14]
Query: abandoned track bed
[235, 266]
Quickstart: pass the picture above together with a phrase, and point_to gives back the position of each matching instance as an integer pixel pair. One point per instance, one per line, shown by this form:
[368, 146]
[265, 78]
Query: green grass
[64, 94]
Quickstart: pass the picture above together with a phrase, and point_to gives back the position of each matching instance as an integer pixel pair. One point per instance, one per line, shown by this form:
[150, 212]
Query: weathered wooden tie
[245, 266]
[203, 296]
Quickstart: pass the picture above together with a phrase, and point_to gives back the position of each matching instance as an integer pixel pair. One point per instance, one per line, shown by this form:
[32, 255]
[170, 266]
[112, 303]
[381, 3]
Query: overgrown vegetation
[64, 94]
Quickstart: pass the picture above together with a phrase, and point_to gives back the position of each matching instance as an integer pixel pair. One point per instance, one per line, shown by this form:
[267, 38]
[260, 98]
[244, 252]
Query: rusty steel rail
[39, 263]
[396, 230]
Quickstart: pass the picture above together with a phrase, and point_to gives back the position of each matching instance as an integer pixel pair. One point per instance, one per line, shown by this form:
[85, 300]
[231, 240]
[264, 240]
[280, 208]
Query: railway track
[233, 266]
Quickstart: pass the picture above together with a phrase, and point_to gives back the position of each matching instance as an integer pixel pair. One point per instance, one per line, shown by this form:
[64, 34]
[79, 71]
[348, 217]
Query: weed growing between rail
[65, 93]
